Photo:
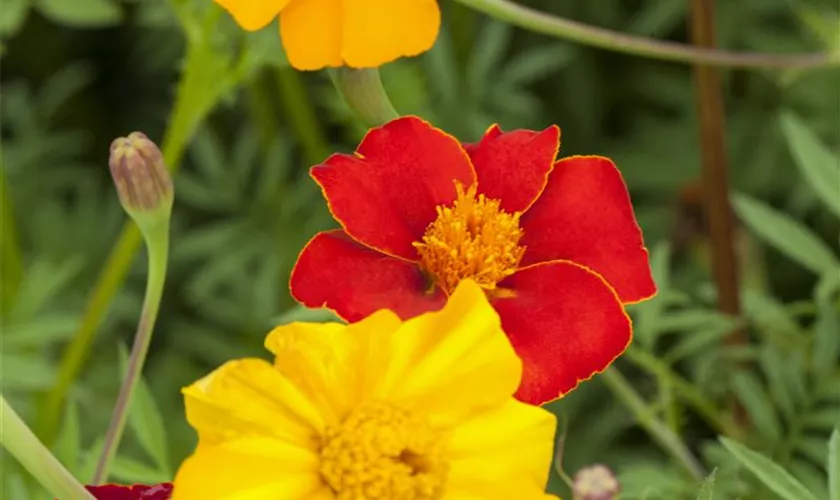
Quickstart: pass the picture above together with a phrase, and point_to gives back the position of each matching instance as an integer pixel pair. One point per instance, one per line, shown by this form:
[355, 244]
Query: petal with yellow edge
[565, 322]
[257, 468]
[501, 454]
[336, 272]
[379, 31]
[585, 215]
[249, 397]
[513, 167]
[386, 194]
[453, 362]
[311, 31]
[253, 15]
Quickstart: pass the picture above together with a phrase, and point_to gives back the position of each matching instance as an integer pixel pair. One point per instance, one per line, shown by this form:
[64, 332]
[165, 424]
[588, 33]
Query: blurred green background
[244, 128]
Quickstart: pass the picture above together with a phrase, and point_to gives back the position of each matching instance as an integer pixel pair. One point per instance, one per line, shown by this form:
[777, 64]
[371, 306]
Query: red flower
[554, 244]
[161, 491]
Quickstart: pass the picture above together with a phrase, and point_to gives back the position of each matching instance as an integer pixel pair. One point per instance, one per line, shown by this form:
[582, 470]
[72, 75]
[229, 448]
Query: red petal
[513, 166]
[336, 272]
[161, 491]
[385, 195]
[585, 215]
[566, 324]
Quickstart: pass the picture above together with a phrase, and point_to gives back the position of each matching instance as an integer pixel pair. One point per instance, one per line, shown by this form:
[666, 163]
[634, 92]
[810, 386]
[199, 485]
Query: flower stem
[192, 104]
[364, 93]
[157, 242]
[657, 429]
[20, 442]
[540, 22]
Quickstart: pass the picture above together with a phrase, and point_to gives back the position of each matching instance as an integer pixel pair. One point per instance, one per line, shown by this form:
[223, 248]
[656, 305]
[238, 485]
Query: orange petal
[252, 15]
[566, 324]
[585, 215]
[379, 31]
[311, 31]
[513, 167]
[385, 195]
[336, 272]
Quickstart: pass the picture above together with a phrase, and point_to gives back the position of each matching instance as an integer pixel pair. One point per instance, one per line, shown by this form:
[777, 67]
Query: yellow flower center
[381, 452]
[475, 239]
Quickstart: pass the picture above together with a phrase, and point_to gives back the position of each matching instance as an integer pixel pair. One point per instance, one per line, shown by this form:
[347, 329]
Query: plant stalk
[539, 22]
[158, 251]
[20, 442]
[657, 429]
[363, 91]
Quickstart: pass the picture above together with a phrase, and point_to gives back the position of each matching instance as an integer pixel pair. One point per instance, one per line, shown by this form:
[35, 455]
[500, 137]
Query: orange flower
[358, 33]
[554, 244]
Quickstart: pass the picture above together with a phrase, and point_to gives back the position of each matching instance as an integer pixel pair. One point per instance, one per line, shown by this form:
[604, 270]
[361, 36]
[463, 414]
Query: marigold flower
[380, 409]
[555, 245]
[330, 33]
[161, 491]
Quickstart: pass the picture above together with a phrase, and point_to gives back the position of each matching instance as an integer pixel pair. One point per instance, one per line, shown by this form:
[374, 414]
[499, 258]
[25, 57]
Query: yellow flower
[382, 409]
[355, 33]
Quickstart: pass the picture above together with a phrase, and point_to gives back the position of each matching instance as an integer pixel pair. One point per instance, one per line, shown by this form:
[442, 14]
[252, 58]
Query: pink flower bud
[140, 175]
[596, 482]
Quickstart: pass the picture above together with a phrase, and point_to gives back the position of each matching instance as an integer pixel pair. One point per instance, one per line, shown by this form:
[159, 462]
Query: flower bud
[140, 175]
[595, 483]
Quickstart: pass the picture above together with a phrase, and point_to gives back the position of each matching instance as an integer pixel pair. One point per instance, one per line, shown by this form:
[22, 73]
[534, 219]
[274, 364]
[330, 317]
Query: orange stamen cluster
[473, 239]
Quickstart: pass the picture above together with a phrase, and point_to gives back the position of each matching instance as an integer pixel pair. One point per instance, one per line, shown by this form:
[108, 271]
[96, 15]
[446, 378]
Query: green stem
[302, 115]
[540, 22]
[19, 441]
[10, 254]
[364, 93]
[657, 429]
[157, 241]
[187, 113]
[685, 391]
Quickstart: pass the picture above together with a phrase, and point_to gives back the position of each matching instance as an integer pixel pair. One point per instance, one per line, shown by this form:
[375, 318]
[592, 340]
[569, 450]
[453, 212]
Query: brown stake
[719, 215]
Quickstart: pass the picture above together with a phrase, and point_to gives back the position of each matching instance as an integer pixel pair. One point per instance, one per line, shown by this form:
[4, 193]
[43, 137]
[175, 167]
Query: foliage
[245, 206]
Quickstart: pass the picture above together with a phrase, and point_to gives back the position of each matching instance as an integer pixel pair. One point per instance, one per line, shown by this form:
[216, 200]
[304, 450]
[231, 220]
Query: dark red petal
[385, 195]
[585, 215]
[336, 272]
[566, 324]
[162, 491]
[513, 166]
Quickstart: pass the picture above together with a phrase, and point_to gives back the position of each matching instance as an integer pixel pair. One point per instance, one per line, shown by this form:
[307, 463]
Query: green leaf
[707, 489]
[759, 407]
[819, 167]
[786, 235]
[768, 472]
[68, 443]
[834, 465]
[14, 14]
[146, 421]
[25, 371]
[128, 470]
[81, 13]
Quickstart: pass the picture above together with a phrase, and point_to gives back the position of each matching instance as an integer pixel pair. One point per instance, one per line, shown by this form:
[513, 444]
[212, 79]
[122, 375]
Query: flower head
[161, 491]
[381, 409]
[596, 482]
[330, 33]
[554, 244]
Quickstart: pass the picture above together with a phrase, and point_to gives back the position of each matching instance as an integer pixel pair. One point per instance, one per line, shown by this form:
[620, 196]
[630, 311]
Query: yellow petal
[379, 31]
[252, 15]
[250, 469]
[249, 397]
[335, 365]
[453, 362]
[503, 451]
[311, 33]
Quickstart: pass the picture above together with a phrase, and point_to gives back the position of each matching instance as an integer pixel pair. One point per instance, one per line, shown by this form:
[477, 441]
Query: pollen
[381, 452]
[472, 239]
